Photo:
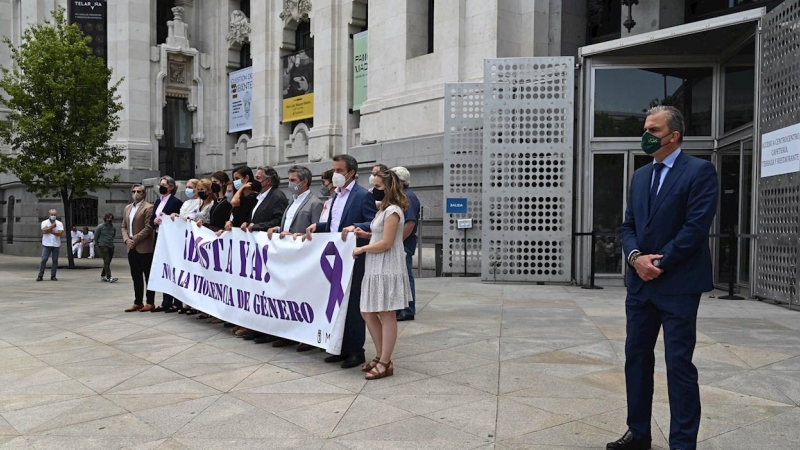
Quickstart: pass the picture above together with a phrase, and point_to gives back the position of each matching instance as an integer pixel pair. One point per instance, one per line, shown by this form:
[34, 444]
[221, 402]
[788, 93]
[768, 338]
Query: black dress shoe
[171, 310]
[402, 317]
[38, 278]
[283, 343]
[53, 279]
[305, 348]
[628, 442]
[157, 309]
[228, 324]
[353, 361]
[251, 335]
[265, 339]
[335, 358]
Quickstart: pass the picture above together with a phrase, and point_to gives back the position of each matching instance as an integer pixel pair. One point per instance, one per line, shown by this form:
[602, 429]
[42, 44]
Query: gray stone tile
[516, 419]
[320, 418]
[169, 419]
[754, 384]
[416, 432]
[575, 434]
[477, 418]
[366, 413]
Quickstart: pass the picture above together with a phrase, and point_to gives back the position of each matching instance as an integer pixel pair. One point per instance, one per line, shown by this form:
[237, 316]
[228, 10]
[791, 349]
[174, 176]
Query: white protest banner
[240, 99]
[780, 151]
[283, 287]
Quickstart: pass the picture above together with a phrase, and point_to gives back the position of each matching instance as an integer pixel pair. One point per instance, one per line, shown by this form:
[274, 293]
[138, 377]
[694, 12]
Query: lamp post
[629, 22]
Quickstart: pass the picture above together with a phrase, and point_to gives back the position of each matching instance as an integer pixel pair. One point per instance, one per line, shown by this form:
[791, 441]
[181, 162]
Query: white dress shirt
[131, 215]
[292, 211]
[50, 239]
[337, 209]
[260, 198]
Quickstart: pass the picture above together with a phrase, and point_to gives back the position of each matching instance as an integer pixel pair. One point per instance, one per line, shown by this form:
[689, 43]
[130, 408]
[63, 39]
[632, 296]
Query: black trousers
[354, 328]
[140, 273]
[168, 301]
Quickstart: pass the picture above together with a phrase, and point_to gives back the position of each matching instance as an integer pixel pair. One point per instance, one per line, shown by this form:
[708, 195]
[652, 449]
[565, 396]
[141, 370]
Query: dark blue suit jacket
[173, 206]
[677, 226]
[359, 211]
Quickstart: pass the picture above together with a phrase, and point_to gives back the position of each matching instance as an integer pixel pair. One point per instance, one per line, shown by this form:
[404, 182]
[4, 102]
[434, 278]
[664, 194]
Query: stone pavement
[484, 366]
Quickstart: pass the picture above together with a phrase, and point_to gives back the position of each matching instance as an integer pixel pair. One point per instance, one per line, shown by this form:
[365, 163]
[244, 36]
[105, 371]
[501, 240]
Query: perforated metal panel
[528, 169]
[779, 196]
[463, 166]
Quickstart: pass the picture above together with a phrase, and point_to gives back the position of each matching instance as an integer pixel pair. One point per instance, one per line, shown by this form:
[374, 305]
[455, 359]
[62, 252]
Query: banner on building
[240, 99]
[360, 69]
[91, 17]
[780, 151]
[284, 287]
[298, 86]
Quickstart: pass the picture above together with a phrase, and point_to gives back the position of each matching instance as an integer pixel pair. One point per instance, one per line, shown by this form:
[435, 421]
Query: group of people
[102, 238]
[383, 219]
[81, 240]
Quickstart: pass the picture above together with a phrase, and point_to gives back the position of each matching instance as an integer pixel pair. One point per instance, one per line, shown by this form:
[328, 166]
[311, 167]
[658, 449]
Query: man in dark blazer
[271, 203]
[304, 210]
[671, 206]
[165, 205]
[351, 205]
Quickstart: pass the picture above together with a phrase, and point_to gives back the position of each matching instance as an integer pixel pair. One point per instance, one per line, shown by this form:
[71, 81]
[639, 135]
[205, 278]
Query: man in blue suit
[351, 205]
[671, 206]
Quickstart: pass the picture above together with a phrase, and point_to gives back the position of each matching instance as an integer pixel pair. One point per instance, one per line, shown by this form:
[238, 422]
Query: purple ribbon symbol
[334, 275]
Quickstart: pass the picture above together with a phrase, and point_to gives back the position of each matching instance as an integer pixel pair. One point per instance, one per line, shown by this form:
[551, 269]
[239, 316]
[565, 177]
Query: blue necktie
[657, 168]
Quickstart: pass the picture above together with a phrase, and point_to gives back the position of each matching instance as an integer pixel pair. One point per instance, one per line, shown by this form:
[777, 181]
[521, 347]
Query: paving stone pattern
[484, 366]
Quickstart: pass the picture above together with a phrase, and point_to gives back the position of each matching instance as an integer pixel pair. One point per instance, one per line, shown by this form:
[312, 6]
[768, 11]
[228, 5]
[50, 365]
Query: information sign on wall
[780, 151]
[360, 70]
[91, 17]
[298, 86]
[240, 98]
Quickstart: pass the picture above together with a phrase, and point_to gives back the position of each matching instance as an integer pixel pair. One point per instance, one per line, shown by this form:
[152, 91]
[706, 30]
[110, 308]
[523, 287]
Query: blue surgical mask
[237, 184]
[53, 218]
[189, 192]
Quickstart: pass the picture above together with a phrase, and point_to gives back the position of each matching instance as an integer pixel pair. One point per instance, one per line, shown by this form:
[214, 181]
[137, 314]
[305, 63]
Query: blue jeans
[46, 252]
[412, 305]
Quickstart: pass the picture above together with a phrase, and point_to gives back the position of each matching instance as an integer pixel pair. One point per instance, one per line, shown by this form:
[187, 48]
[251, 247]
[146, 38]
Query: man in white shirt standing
[76, 237]
[52, 230]
[304, 210]
[87, 240]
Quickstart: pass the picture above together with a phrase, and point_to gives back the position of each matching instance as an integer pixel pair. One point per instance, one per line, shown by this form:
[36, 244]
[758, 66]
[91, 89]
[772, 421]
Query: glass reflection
[609, 173]
[623, 96]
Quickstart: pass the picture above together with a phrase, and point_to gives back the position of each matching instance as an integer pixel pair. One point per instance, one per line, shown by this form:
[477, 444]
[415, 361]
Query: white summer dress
[385, 286]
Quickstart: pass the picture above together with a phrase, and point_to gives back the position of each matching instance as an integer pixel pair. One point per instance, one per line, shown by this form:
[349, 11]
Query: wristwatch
[632, 259]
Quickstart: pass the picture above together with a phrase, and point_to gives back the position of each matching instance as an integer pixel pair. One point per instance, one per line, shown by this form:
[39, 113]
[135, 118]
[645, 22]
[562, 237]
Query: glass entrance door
[735, 170]
[176, 148]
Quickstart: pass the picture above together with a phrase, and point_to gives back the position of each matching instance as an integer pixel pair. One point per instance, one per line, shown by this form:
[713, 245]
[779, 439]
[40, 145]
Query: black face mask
[215, 188]
[255, 186]
[378, 195]
[162, 190]
[202, 195]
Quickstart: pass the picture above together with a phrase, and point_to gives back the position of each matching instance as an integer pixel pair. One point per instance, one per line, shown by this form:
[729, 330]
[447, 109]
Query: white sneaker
[112, 280]
[104, 279]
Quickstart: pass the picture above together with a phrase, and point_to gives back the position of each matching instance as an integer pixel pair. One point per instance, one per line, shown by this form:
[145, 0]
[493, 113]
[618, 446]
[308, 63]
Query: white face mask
[339, 180]
[229, 196]
[371, 180]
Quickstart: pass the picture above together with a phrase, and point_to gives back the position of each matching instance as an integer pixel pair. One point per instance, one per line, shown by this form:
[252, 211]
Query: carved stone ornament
[177, 13]
[239, 28]
[296, 10]
[177, 72]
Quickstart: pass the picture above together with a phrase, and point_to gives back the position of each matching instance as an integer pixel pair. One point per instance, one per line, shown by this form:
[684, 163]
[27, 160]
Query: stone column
[330, 75]
[265, 40]
[129, 24]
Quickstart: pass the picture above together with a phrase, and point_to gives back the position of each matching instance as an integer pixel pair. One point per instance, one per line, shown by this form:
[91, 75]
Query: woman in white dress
[385, 288]
[190, 206]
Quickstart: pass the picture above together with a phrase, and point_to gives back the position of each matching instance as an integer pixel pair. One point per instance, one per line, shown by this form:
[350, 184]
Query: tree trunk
[66, 201]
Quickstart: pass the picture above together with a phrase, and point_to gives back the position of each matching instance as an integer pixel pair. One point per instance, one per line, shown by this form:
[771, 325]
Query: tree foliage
[63, 113]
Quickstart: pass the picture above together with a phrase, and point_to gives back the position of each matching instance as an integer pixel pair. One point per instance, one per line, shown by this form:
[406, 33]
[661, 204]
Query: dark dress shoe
[335, 358]
[38, 278]
[628, 442]
[53, 279]
[228, 324]
[353, 361]
[170, 310]
[252, 335]
[403, 317]
[265, 339]
[157, 309]
[305, 348]
[283, 343]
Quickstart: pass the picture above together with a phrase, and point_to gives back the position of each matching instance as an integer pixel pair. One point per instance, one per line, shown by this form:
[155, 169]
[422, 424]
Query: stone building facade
[175, 57]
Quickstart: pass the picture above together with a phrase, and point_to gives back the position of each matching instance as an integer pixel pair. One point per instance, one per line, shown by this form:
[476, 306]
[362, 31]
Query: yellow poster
[298, 108]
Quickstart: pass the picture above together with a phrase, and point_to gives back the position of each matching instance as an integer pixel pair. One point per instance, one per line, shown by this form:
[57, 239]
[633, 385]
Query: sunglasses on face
[137, 192]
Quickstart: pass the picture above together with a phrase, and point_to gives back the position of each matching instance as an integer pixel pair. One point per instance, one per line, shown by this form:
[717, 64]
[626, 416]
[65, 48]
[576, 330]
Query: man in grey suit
[304, 210]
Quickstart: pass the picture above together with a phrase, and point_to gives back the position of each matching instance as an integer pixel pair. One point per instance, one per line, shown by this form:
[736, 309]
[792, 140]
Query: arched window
[84, 212]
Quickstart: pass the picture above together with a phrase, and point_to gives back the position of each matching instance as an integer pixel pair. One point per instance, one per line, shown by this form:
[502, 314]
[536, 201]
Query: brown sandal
[375, 374]
[371, 365]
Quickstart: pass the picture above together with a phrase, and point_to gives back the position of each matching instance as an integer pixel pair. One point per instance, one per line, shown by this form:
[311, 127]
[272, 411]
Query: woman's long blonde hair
[206, 184]
[393, 188]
